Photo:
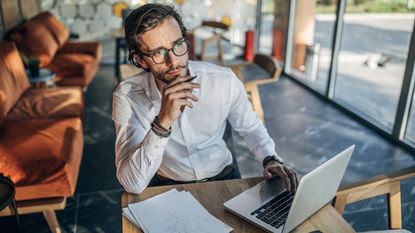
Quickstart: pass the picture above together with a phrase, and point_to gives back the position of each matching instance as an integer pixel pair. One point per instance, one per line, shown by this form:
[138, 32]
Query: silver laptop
[272, 208]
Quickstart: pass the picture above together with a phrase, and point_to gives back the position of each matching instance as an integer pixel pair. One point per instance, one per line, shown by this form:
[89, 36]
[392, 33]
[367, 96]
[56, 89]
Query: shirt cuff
[155, 145]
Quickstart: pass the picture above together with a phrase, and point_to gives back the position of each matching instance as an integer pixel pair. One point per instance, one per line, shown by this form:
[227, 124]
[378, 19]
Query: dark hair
[145, 18]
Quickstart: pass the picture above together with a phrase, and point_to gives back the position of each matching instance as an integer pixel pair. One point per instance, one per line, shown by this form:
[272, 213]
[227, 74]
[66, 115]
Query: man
[170, 120]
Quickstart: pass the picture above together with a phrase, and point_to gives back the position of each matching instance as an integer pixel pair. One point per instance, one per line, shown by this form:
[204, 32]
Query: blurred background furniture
[264, 69]
[45, 79]
[46, 38]
[388, 184]
[121, 45]
[41, 139]
[214, 33]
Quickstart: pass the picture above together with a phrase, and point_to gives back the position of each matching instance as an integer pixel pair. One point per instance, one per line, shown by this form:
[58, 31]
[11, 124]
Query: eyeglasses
[160, 56]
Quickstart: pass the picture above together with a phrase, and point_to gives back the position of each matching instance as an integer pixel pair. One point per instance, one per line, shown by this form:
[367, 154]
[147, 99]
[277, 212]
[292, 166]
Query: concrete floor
[307, 131]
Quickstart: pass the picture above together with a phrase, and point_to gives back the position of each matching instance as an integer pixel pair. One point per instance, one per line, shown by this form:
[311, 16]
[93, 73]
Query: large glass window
[312, 41]
[410, 130]
[267, 23]
[372, 58]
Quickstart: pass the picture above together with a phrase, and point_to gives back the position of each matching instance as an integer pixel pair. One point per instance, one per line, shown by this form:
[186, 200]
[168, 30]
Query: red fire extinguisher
[249, 45]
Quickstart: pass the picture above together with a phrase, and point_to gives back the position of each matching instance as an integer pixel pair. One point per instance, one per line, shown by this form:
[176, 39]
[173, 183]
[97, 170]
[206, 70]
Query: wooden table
[212, 195]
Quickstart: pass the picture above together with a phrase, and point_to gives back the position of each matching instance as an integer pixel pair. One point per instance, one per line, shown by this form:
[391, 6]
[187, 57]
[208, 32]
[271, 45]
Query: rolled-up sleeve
[138, 150]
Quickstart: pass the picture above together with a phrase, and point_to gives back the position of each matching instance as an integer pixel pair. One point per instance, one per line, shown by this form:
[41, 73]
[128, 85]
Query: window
[371, 62]
[312, 42]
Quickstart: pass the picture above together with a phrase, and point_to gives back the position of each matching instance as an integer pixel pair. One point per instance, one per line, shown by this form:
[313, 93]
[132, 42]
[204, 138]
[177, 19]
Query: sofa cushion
[13, 79]
[72, 65]
[61, 102]
[48, 151]
[35, 40]
[59, 31]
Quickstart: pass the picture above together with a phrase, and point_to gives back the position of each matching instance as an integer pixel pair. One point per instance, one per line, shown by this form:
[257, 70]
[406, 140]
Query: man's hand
[175, 95]
[288, 175]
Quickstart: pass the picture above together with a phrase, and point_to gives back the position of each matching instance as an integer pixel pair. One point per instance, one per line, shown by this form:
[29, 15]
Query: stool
[7, 196]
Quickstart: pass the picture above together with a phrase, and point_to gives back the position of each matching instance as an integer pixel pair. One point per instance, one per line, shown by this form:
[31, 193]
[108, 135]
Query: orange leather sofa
[46, 38]
[41, 133]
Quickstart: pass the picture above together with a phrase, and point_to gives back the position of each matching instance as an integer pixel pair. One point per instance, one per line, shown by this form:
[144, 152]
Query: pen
[189, 80]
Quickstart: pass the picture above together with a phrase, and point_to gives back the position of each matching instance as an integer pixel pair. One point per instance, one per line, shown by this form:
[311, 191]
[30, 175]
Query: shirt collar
[154, 91]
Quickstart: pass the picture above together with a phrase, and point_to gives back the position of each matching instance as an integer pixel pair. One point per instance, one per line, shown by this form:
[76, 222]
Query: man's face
[165, 36]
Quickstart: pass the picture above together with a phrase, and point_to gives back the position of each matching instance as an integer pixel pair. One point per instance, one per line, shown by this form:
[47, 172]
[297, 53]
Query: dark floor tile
[97, 170]
[100, 212]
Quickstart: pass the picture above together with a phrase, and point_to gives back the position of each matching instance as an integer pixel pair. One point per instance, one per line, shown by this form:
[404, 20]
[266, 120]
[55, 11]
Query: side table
[45, 79]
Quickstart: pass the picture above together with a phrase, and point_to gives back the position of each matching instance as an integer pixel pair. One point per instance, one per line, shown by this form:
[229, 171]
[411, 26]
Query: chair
[263, 70]
[218, 28]
[388, 184]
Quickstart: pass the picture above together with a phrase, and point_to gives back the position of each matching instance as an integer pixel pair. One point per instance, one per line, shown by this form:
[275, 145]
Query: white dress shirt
[195, 149]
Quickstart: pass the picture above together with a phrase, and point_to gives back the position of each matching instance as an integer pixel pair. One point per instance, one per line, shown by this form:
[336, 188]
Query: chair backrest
[266, 62]
[215, 24]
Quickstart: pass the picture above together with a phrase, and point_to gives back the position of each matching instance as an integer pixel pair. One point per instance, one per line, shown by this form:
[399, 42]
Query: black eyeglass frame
[151, 55]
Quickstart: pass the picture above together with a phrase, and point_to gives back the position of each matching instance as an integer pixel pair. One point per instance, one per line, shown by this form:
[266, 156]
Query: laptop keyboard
[275, 211]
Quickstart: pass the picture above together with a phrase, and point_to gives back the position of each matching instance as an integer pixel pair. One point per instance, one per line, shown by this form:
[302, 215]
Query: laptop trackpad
[266, 189]
[253, 198]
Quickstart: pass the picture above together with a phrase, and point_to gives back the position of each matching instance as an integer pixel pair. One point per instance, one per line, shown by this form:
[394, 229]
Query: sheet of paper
[176, 212]
[129, 215]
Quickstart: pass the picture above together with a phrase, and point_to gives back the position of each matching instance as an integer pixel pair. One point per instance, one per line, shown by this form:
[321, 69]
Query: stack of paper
[173, 211]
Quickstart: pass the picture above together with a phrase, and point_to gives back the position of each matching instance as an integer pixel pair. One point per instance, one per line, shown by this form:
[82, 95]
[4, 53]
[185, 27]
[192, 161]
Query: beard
[162, 75]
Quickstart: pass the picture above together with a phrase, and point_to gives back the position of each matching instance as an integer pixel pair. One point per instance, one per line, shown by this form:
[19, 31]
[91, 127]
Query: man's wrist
[163, 122]
[159, 129]
[271, 158]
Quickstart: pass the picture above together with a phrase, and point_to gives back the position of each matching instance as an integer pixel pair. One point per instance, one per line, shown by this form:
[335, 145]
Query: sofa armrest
[91, 48]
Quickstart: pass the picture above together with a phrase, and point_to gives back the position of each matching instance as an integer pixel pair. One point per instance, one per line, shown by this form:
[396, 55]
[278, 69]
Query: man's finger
[296, 179]
[267, 174]
[184, 102]
[183, 95]
[178, 80]
[291, 176]
[279, 171]
[181, 86]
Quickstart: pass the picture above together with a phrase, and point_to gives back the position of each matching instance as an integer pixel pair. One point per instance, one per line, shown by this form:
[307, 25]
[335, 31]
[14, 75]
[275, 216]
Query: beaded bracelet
[159, 129]
[157, 122]
[160, 132]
